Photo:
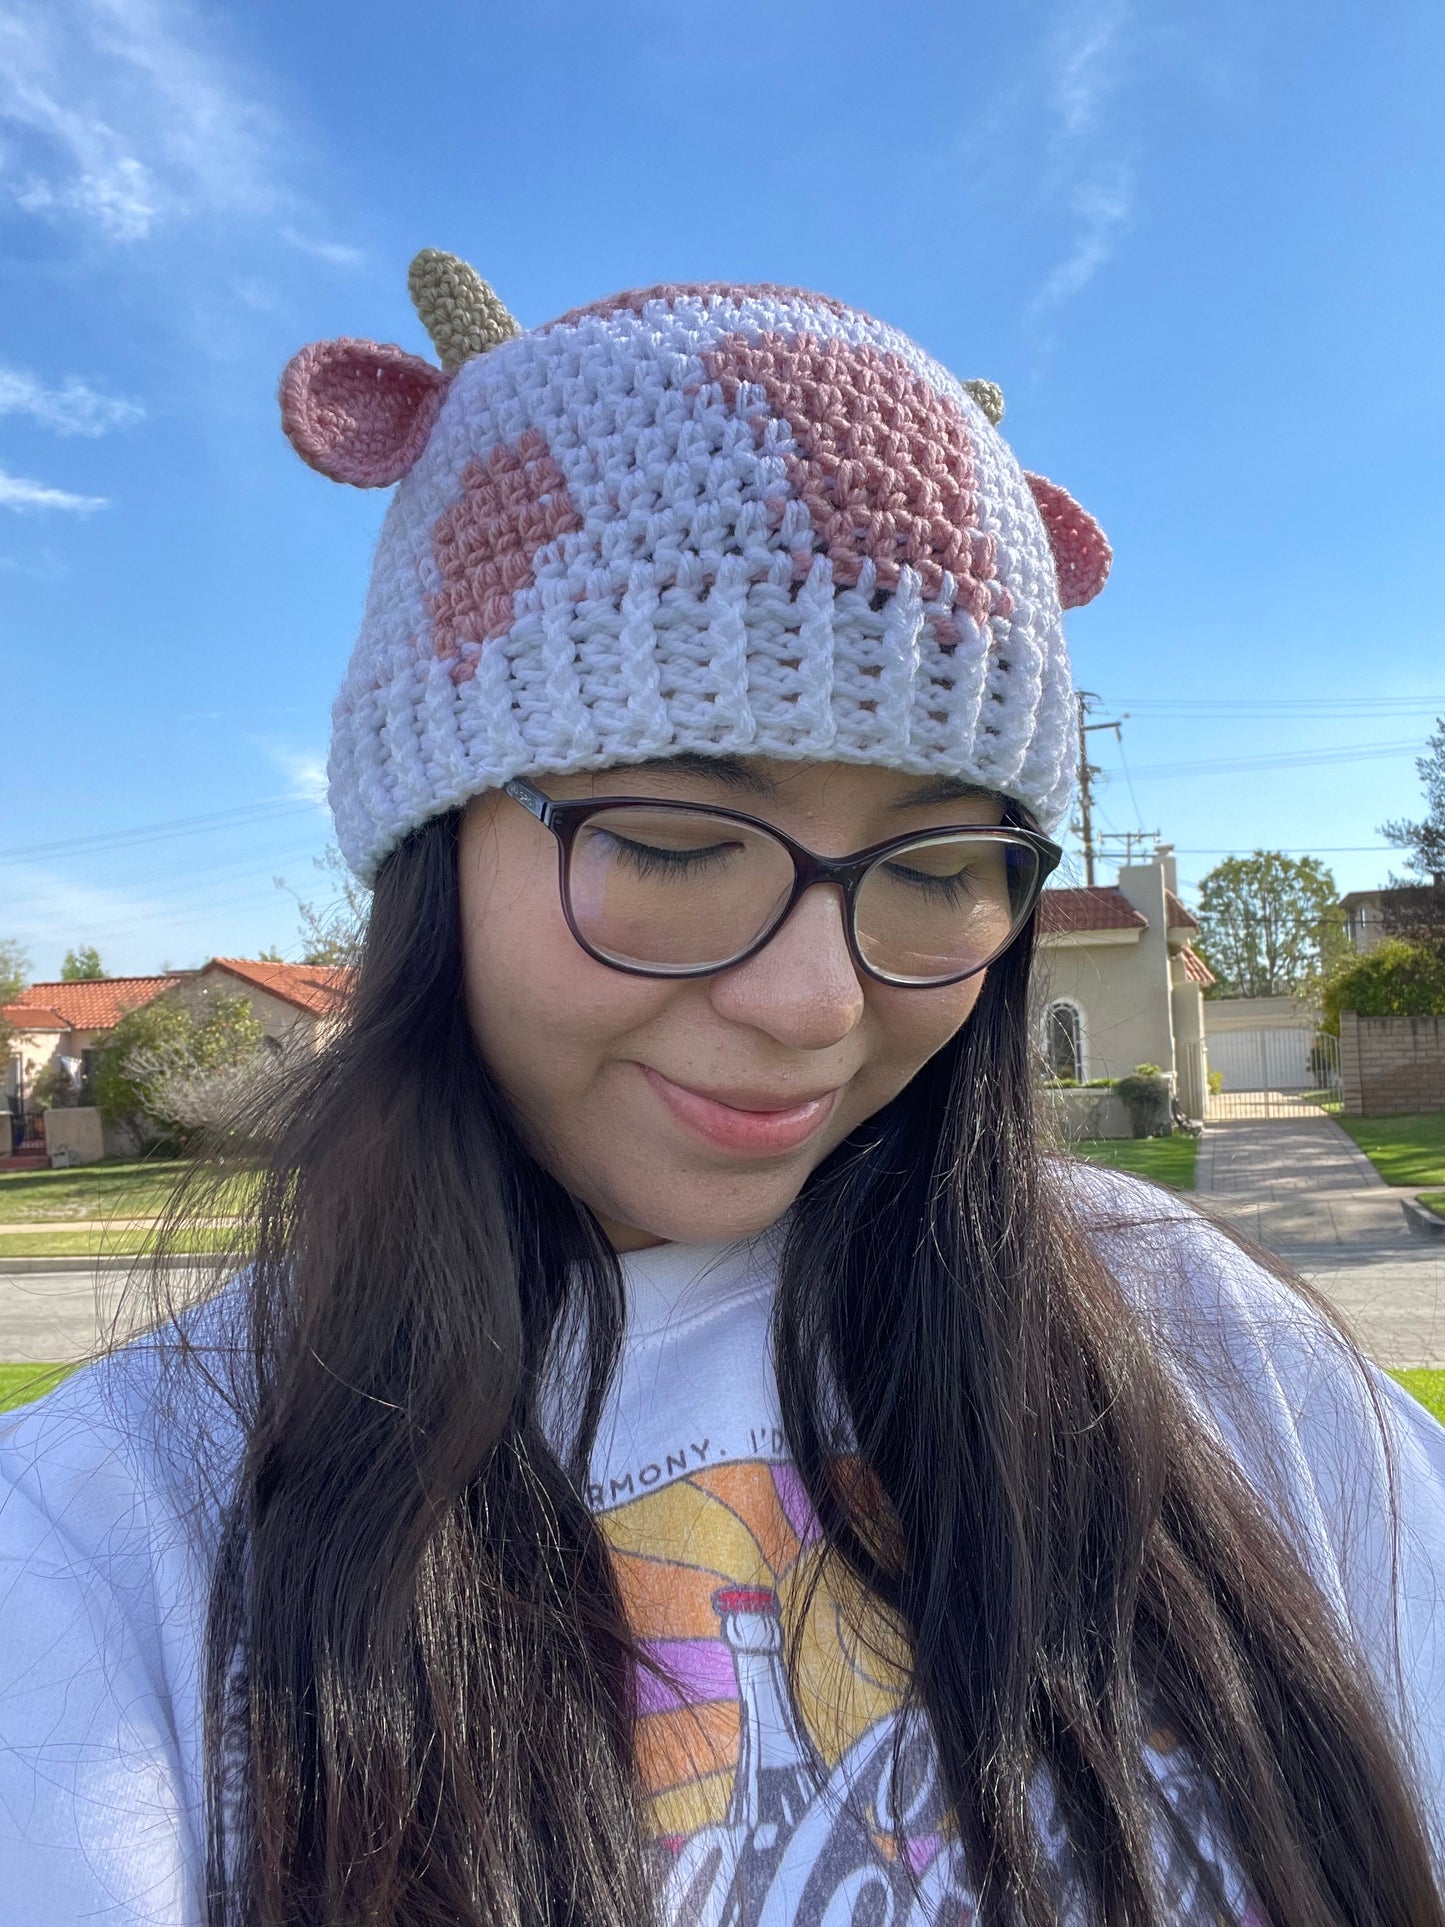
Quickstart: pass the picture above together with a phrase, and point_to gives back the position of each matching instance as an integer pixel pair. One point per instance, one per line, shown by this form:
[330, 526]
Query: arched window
[1064, 1040]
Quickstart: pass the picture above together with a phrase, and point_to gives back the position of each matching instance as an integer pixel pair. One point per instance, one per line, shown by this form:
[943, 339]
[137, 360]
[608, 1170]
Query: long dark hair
[420, 1679]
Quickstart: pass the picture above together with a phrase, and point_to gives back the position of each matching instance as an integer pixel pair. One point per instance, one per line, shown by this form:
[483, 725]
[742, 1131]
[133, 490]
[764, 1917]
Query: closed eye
[957, 886]
[652, 859]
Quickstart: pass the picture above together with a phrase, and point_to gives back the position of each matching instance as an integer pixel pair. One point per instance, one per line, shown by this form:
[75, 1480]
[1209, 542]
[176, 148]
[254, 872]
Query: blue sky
[1199, 245]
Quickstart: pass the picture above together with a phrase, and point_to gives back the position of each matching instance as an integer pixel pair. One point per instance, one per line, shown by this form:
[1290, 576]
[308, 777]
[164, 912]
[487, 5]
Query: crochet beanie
[734, 520]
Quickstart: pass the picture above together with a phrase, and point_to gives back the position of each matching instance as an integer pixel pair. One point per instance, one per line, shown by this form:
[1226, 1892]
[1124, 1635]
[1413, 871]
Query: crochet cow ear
[1081, 549]
[358, 411]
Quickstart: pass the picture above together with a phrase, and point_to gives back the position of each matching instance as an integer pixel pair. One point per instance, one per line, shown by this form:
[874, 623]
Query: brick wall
[1390, 1065]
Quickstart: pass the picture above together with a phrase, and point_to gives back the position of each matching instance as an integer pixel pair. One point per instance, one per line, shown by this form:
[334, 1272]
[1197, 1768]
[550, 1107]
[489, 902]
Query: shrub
[1146, 1092]
[1216, 1083]
[151, 1072]
[1396, 980]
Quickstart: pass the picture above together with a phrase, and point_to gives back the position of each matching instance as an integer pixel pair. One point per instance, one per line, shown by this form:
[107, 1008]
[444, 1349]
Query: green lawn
[1167, 1160]
[1428, 1387]
[115, 1188]
[21, 1383]
[105, 1244]
[1404, 1150]
[1432, 1201]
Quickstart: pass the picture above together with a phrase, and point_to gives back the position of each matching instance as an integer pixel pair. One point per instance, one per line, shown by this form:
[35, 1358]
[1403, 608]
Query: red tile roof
[320, 989]
[1196, 969]
[32, 1017]
[1179, 917]
[1064, 913]
[98, 1004]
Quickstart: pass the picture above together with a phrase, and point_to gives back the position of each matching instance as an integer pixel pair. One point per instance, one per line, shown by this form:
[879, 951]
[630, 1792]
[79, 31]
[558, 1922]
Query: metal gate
[1272, 1073]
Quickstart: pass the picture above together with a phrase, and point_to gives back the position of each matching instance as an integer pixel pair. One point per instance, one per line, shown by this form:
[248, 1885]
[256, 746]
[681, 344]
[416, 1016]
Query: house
[1122, 984]
[292, 1001]
[1364, 917]
[1398, 909]
[66, 1023]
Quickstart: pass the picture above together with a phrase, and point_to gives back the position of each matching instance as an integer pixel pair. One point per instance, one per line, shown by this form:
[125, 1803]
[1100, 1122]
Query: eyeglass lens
[673, 890]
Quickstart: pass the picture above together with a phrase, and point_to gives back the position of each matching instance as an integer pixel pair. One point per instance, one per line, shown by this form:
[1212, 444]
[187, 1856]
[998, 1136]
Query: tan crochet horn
[989, 397]
[457, 307]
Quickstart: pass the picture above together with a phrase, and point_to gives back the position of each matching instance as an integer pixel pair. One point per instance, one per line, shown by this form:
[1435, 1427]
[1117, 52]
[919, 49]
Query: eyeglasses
[664, 889]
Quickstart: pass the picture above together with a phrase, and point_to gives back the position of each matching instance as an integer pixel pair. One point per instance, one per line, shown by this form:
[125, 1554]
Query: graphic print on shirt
[768, 1811]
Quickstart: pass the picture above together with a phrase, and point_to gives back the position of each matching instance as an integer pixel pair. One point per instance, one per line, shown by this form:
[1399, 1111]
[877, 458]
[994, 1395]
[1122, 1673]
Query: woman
[679, 1451]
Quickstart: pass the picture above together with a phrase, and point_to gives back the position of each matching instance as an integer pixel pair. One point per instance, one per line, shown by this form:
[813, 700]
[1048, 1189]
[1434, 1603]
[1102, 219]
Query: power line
[1289, 759]
[1238, 710]
[266, 811]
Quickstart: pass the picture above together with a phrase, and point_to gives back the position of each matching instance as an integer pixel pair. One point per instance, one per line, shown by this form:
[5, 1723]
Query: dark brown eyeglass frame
[565, 819]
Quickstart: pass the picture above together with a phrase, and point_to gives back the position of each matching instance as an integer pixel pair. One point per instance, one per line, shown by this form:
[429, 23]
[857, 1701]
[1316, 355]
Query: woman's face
[694, 1109]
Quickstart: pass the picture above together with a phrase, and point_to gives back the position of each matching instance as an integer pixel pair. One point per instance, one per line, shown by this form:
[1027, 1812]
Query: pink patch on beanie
[884, 462]
[1082, 555]
[514, 502]
[360, 411]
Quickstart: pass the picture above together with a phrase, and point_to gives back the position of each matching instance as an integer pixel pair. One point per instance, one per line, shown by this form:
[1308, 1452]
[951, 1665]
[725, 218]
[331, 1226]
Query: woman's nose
[802, 987]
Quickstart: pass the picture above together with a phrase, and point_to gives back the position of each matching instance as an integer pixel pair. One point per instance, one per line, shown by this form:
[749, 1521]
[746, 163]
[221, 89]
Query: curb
[1423, 1222]
[97, 1261]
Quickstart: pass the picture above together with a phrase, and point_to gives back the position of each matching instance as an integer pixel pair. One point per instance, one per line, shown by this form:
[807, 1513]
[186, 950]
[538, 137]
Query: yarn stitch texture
[743, 520]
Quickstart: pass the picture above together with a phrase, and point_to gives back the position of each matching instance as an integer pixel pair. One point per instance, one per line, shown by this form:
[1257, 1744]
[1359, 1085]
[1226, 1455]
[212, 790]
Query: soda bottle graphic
[778, 1771]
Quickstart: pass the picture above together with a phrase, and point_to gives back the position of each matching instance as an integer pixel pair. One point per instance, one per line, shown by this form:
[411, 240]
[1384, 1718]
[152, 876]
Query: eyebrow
[733, 773]
[942, 789]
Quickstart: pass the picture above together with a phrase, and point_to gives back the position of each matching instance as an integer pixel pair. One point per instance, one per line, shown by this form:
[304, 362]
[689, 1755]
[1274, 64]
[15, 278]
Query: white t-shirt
[767, 1809]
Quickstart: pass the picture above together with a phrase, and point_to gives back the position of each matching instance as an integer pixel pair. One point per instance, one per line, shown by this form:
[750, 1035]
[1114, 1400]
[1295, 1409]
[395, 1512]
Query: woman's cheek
[921, 1022]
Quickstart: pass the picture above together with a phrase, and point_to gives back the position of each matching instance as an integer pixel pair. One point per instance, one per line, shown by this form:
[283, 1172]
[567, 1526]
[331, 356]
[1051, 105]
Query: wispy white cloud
[336, 254]
[1102, 204]
[19, 494]
[118, 114]
[48, 912]
[304, 769]
[1089, 174]
[1085, 63]
[74, 408]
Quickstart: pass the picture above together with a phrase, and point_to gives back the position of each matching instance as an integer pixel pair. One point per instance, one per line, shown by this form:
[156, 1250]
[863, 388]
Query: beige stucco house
[1121, 984]
[292, 1001]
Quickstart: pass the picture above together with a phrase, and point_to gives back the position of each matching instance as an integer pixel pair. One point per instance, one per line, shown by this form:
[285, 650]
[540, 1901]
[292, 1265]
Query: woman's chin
[668, 1215]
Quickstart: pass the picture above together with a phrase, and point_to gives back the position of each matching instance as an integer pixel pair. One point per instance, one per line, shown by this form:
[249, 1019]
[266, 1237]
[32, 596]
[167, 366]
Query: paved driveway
[1300, 1187]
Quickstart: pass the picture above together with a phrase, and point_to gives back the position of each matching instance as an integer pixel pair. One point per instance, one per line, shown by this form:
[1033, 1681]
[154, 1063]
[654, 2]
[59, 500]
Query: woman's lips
[732, 1127]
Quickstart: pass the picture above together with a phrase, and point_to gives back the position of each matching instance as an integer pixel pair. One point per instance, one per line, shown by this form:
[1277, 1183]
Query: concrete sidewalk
[1303, 1189]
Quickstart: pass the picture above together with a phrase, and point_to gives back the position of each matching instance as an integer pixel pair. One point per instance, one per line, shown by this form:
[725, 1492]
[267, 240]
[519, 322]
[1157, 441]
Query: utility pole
[1087, 772]
[1144, 838]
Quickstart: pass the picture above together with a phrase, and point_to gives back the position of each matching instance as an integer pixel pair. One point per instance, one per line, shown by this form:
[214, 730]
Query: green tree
[332, 930]
[14, 969]
[1270, 925]
[82, 966]
[159, 1043]
[1414, 911]
[1393, 980]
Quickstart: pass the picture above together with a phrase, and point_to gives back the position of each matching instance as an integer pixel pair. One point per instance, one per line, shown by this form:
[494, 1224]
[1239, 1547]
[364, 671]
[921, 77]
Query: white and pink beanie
[743, 520]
